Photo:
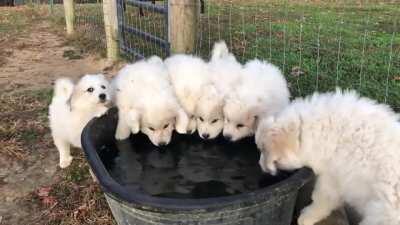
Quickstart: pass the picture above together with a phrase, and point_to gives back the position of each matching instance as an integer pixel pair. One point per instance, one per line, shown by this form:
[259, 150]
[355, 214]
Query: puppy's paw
[121, 135]
[191, 131]
[307, 217]
[65, 161]
[101, 112]
[181, 129]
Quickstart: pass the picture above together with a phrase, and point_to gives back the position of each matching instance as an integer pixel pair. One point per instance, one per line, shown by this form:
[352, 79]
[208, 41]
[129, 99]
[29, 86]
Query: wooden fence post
[183, 16]
[111, 28]
[69, 16]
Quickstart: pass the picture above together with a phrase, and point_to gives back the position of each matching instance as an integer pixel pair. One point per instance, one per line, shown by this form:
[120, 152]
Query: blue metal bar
[125, 30]
[148, 6]
[147, 36]
[133, 52]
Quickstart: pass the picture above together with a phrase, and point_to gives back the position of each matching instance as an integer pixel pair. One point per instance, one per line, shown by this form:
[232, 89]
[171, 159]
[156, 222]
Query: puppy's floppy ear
[284, 139]
[76, 93]
[254, 114]
[133, 118]
[181, 121]
[262, 129]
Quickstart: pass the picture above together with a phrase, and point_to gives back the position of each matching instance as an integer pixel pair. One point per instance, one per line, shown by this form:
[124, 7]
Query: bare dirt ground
[38, 59]
[33, 189]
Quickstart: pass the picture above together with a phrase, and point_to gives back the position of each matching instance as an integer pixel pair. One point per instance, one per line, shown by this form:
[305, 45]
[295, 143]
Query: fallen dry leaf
[49, 200]
[44, 191]
[45, 197]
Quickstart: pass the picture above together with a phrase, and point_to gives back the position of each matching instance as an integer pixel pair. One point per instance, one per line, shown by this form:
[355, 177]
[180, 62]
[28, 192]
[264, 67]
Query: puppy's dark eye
[239, 125]
[90, 89]
[166, 125]
[150, 128]
[201, 119]
[214, 121]
[102, 86]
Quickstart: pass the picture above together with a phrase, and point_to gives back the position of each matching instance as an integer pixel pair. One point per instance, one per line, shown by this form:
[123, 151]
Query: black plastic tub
[273, 205]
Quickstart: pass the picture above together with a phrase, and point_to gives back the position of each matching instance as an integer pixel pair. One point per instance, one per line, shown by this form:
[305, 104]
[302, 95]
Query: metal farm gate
[143, 28]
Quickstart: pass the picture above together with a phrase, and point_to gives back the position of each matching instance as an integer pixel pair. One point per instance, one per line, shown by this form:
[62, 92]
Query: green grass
[17, 21]
[24, 121]
[90, 26]
[294, 35]
[306, 37]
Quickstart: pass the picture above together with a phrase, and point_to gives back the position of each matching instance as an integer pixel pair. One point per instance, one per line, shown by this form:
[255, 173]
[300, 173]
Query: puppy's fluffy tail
[220, 50]
[63, 89]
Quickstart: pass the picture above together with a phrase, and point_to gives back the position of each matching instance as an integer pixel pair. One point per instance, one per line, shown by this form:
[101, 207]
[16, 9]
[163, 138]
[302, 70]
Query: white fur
[71, 109]
[147, 103]
[190, 80]
[263, 91]
[353, 146]
[224, 68]
[225, 74]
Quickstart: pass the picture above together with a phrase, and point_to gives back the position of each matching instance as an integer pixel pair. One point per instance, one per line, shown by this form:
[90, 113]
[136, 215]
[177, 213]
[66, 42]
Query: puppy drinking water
[225, 74]
[353, 146]
[262, 91]
[147, 103]
[191, 81]
[71, 109]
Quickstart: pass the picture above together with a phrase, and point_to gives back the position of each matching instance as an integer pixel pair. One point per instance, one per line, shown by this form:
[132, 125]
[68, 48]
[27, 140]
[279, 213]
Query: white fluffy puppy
[191, 82]
[351, 143]
[263, 91]
[225, 74]
[71, 109]
[147, 103]
[225, 70]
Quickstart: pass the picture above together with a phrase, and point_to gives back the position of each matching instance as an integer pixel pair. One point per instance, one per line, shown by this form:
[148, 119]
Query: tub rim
[161, 204]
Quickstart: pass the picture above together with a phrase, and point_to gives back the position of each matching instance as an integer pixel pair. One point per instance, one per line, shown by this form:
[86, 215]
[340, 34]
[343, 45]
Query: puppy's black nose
[102, 96]
[228, 137]
[162, 143]
[205, 136]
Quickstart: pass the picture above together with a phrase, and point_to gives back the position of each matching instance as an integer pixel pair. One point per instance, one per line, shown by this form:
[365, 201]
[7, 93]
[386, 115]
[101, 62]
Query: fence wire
[51, 8]
[143, 30]
[317, 44]
[89, 22]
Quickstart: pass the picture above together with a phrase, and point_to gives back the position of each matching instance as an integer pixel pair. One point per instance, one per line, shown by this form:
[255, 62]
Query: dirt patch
[33, 189]
[38, 59]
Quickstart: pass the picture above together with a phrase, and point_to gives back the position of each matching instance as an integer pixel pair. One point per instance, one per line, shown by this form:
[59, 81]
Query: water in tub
[188, 167]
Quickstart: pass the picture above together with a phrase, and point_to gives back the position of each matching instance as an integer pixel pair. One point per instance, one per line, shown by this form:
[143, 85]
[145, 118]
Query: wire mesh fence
[317, 44]
[89, 22]
[143, 28]
[56, 8]
[53, 7]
